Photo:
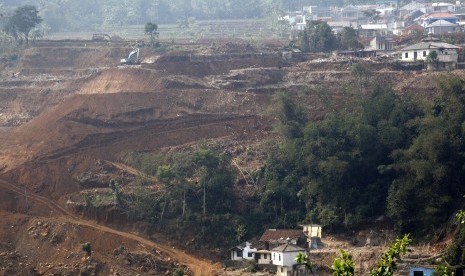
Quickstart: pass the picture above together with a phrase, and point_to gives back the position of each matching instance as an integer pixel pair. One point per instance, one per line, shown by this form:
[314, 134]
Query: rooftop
[281, 234]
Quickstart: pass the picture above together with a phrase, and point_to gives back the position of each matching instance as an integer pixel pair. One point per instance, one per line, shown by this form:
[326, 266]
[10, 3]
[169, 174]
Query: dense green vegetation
[377, 155]
[374, 154]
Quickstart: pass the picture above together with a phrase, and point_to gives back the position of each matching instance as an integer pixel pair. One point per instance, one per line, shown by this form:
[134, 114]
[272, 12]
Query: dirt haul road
[197, 266]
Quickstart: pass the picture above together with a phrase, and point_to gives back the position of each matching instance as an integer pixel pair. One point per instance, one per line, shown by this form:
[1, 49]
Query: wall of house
[421, 271]
[440, 29]
[263, 258]
[283, 271]
[249, 252]
[277, 258]
[289, 258]
[235, 255]
[447, 55]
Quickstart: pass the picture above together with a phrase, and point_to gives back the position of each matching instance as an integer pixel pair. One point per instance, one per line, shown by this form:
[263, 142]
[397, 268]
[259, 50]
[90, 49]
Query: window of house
[250, 254]
[417, 273]
[239, 253]
[282, 270]
[274, 256]
[279, 257]
[424, 53]
[406, 55]
[264, 256]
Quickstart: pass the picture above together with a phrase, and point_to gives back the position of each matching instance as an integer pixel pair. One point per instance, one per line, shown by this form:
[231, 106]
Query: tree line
[74, 15]
[372, 156]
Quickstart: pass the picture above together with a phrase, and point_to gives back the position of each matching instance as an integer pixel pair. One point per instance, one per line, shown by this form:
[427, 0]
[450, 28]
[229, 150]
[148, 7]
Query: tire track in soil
[197, 266]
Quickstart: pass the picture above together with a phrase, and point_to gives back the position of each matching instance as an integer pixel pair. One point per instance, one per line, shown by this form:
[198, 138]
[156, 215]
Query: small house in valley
[445, 56]
[284, 258]
[263, 257]
[276, 237]
[244, 251]
[313, 233]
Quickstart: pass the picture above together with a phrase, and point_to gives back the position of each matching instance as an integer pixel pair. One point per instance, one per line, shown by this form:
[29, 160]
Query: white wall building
[284, 258]
[244, 251]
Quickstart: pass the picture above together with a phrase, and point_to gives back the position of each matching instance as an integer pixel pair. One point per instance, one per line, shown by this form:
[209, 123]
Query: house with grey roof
[441, 27]
[284, 258]
[446, 54]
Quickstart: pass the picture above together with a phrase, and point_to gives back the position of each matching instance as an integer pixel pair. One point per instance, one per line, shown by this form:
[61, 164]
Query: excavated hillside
[69, 108]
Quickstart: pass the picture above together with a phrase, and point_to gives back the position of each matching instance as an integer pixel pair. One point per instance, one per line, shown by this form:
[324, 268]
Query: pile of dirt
[215, 64]
[136, 79]
[71, 57]
[51, 246]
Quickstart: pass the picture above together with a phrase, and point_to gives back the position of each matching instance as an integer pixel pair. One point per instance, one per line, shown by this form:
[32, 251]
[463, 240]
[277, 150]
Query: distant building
[441, 27]
[382, 45]
[447, 54]
[373, 30]
[430, 18]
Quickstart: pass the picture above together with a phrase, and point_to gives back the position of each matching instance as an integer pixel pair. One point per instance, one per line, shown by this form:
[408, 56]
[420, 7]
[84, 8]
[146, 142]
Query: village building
[284, 258]
[430, 18]
[263, 257]
[313, 233]
[372, 30]
[381, 45]
[275, 237]
[441, 27]
[244, 251]
[447, 54]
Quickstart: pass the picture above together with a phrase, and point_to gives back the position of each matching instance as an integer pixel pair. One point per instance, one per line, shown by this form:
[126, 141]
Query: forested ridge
[73, 15]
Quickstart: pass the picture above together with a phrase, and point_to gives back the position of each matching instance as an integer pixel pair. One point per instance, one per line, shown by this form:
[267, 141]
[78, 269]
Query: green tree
[24, 19]
[319, 37]
[303, 259]
[151, 30]
[433, 58]
[362, 73]
[430, 170]
[343, 265]
[388, 263]
[348, 39]
[166, 175]
[216, 178]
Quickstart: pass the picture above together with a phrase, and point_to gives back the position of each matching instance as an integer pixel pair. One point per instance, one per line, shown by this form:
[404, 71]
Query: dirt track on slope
[197, 266]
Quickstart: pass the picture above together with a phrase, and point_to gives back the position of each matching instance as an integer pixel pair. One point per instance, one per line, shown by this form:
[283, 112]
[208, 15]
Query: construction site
[73, 107]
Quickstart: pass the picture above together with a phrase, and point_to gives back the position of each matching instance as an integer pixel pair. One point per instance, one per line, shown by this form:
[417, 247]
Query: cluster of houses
[279, 247]
[378, 25]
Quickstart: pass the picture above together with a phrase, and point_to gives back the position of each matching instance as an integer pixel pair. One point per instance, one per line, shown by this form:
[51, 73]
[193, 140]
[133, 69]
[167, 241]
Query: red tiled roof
[414, 27]
[277, 234]
[440, 15]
